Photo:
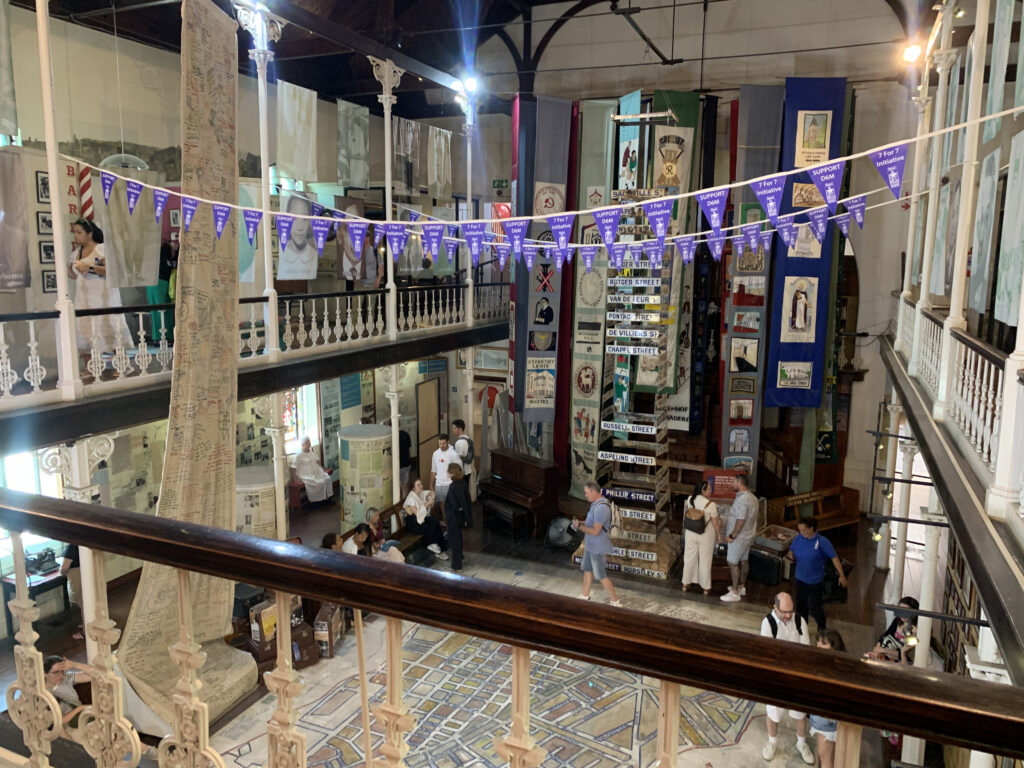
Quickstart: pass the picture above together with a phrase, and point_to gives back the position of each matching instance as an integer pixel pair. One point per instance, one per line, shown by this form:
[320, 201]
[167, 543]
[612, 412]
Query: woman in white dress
[702, 528]
[93, 290]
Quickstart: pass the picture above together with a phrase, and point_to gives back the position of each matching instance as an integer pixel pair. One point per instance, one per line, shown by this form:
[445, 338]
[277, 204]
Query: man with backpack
[783, 623]
[598, 543]
[463, 446]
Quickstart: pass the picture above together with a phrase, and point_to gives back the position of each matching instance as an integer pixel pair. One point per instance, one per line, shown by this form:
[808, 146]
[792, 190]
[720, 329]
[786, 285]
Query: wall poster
[812, 137]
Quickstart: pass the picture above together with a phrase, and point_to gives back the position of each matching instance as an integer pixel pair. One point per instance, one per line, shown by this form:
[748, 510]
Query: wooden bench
[833, 507]
[393, 519]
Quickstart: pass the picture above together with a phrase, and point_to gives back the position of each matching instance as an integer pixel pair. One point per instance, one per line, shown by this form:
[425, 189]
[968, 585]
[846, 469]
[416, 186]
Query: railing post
[393, 714]
[848, 739]
[965, 225]
[265, 28]
[388, 75]
[518, 747]
[900, 561]
[668, 725]
[944, 58]
[884, 544]
[286, 745]
[396, 469]
[69, 382]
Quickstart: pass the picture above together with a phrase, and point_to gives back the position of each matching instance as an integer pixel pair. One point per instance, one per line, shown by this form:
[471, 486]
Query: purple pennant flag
[451, 246]
[220, 217]
[617, 254]
[787, 229]
[712, 203]
[321, 227]
[818, 221]
[738, 241]
[315, 209]
[395, 233]
[252, 218]
[857, 206]
[561, 227]
[569, 253]
[432, 234]
[107, 181]
[529, 254]
[843, 222]
[890, 163]
[659, 211]
[751, 232]
[133, 190]
[160, 202]
[453, 230]
[515, 229]
[769, 194]
[473, 231]
[635, 251]
[357, 234]
[828, 179]
[188, 210]
[686, 247]
[414, 216]
[558, 259]
[587, 253]
[284, 229]
[503, 249]
[378, 233]
[489, 236]
[716, 241]
[766, 241]
[654, 253]
[608, 224]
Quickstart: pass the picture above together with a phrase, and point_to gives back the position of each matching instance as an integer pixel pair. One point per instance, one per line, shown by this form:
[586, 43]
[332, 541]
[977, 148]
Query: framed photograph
[175, 218]
[44, 223]
[744, 354]
[46, 255]
[741, 411]
[741, 385]
[42, 187]
[49, 281]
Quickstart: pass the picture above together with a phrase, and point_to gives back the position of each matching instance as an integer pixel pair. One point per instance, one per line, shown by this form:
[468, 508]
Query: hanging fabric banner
[159, 203]
[769, 191]
[629, 143]
[439, 163]
[284, 228]
[132, 243]
[541, 343]
[353, 145]
[801, 297]
[220, 217]
[984, 221]
[296, 132]
[1003, 28]
[107, 182]
[252, 220]
[188, 210]
[857, 206]
[712, 203]
[890, 163]
[15, 270]
[1011, 251]
[828, 179]
[8, 105]
[321, 227]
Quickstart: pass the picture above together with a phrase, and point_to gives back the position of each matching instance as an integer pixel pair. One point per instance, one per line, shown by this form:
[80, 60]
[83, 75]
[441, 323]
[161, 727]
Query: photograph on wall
[672, 151]
[299, 259]
[795, 375]
[746, 322]
[741, 463]
[807, 196]
[540, 382]
[806, 245]
[741, 411]
[44, 223]
[743, 357]
[49, 281]
[739, 440]
[42, 187]
[742, 385]
[46, 254]
[296, 132]
[799, 302]
[984, 221]
[812, 135]
[748, 291]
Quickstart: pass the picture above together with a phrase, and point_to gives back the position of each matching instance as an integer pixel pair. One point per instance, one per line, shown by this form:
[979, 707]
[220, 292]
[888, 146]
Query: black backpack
[775, 625]
[470, 451]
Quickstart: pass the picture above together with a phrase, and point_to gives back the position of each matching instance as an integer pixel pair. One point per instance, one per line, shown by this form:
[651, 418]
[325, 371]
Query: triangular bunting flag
[453, 230]
[284, 229]
[654, 253]
[890, 163]
[160, 202]
[315, 209]
[769, 194]
[857, 206]
[357, 234]
[787, 229]
[712, 203]
[716, 241]
[431, 239]
[818, 221]
[107, 182]
[414, 216]
[568, 254]
[188, 210]
[561, 228]
[608, 224]
[658, 211]
[750, 233]
[252, 218]
[686, 247]
[473, 231]
[395, 233]
[451, 247]
[635, 252]
[843, 222]
[587, 253]
[378, 233]
[515, 229]
[766, 241]
[828, 179]
[738, 241]
[529, 254]
[617, 254]
[321, 228]
[133, 190]
[503, 249]
[220, 217]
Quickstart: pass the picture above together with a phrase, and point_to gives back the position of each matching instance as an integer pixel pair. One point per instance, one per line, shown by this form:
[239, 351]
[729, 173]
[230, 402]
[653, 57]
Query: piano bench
[508, 514]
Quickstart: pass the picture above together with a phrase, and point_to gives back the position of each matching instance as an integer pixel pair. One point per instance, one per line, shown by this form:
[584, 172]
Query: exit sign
[499, 184]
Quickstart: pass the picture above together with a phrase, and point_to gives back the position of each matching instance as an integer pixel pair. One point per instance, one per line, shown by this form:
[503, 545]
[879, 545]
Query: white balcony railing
[931, 353]
[906, 326]
[978, 394]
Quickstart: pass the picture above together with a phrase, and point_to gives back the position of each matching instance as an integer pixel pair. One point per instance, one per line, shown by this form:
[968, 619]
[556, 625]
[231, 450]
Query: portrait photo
[175, 218]
[799, 302]
[42, 187]
[44, 223]
[46, 255]
[49, 281]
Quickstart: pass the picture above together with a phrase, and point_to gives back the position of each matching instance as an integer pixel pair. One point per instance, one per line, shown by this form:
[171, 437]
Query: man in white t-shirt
[463, 445]
[783, 623]
[443, 458]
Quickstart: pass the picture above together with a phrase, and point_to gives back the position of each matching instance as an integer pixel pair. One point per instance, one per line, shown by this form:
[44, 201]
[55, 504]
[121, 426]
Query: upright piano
[521, 487]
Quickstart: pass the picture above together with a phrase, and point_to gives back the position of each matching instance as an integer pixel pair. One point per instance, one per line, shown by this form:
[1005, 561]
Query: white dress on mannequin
[98, 292]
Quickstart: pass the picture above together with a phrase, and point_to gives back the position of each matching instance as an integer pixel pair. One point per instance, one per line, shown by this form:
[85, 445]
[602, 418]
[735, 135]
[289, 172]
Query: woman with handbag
[702, 529]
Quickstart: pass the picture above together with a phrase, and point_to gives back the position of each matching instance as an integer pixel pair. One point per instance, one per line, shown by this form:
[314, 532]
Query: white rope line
[591, 211]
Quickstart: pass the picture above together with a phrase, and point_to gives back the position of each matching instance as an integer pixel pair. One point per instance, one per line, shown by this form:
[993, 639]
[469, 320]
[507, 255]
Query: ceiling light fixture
[912, 53]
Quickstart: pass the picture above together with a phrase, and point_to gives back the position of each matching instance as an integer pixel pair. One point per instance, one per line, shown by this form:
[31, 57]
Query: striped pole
[85, 191]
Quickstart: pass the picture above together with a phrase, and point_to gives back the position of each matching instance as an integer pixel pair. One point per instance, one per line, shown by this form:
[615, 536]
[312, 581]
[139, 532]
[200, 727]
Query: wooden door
[428, 424]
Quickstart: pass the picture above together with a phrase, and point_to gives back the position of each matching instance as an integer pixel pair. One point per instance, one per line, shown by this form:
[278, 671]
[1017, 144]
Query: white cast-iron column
[396, 469]
[900, 560]
[885, 529]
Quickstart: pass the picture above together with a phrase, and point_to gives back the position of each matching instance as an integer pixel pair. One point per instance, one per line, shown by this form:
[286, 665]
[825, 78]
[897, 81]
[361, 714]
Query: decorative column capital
[944, 58]
[392, 397]
[264, 27]
[895, 409]
[388, 75]
[909, 449]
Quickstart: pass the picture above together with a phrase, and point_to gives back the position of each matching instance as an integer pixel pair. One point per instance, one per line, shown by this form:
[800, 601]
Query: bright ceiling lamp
[912, 53]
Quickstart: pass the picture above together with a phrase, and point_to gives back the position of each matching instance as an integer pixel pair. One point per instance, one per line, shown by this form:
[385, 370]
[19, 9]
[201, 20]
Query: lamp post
[265, 28]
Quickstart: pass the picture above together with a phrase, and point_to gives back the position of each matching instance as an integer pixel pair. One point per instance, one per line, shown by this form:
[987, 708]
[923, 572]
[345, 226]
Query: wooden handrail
[935, 314]
[942, 708]
[995, 356]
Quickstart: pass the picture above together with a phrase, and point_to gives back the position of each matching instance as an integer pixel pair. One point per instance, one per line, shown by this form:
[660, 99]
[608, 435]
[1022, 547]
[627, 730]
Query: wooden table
[37, 585]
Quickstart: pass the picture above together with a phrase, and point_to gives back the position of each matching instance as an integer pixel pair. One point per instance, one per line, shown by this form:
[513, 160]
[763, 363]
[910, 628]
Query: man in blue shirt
[598, 543]
[811, 551]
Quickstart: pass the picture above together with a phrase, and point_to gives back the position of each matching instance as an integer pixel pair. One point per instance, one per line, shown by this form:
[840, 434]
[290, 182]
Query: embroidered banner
[296, 132]
[353, 145]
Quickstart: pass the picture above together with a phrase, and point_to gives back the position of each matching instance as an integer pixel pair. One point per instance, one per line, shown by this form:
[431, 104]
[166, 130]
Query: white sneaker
[743, 591]
[583, 597]
[768, 752]
[615, 603]
[805, 752]
[731, 597]
[434, 548]
[442, 555]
